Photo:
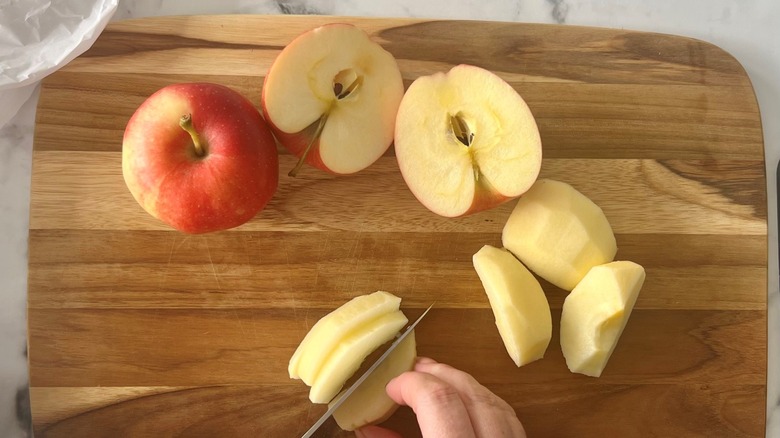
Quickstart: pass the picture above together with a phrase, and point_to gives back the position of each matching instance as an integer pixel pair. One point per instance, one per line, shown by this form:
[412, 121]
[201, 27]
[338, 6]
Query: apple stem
[186, 124]
[306, 151]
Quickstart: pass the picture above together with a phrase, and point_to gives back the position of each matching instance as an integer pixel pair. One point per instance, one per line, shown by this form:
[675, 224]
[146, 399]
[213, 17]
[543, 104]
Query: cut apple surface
[369, 403]
[325, 335]
[559, 233]
[331, 98]
[350, 353]
[466, 141]
[595, 314]
[519, 305]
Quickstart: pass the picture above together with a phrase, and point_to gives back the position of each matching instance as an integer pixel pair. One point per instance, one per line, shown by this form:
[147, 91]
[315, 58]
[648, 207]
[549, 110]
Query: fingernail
[425, 360]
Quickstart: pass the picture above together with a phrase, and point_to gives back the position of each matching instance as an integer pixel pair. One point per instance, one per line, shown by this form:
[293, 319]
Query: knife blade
[361, 379]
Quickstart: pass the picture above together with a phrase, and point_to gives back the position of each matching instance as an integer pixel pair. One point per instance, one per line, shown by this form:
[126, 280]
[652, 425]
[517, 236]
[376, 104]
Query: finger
[439, 408]
[490, 415]
[376, 432]
[464, 383]
[423, 359]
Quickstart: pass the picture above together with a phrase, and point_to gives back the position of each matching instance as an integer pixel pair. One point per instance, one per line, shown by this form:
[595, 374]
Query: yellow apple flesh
[595, 314]
[369, 403]
[519, 305]
[324, 337]
[559, 233]
[331, 98]
[466, 141]
[352, 349]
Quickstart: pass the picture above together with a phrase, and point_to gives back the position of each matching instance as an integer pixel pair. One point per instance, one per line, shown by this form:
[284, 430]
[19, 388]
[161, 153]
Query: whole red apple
[199, 157]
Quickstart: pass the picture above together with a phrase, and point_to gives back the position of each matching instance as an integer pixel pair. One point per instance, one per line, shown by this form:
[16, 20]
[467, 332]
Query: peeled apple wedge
[327, 333]
[595, 314]
[559, 233]
[370, 404]
[350, 353]
[519, 305]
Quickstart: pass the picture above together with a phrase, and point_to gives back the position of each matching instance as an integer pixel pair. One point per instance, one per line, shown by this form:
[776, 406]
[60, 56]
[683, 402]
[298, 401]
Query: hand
[449, 404]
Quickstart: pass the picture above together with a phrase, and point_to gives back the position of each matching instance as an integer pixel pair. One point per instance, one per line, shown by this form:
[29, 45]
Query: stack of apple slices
[566, 239]
[339, 342]
[370, 404]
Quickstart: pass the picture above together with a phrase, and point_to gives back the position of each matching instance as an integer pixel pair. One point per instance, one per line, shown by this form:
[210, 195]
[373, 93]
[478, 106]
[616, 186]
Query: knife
[348, 392]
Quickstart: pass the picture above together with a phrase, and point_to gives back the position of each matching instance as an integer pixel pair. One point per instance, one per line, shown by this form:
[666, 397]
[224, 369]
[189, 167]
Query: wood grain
[86, 191]
[561, 410]
[138, 330]
[203, 347]
[156, 269]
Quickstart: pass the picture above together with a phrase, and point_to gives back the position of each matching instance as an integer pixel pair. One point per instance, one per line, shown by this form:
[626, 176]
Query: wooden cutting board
[139, 330]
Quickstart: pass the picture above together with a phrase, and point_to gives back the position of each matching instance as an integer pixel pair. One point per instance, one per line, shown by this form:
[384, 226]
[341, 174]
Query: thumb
[376, 432]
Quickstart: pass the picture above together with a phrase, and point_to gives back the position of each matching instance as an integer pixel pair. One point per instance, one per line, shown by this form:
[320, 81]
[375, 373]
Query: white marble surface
[748, 29]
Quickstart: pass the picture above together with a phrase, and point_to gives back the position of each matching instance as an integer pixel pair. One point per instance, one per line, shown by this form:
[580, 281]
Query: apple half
[519, 305]
[595, 314]
[324, 337]
[369, 403]
[331, 98]
[466, 141]
[559, 233]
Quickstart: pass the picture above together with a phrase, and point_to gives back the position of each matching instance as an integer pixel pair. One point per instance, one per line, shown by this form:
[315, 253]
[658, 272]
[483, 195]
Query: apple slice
[350, 353]
[370, 404]
[518, 302]
[559, 233]
[331, 97]
[326, 334]
[595, 314]
[466, 141]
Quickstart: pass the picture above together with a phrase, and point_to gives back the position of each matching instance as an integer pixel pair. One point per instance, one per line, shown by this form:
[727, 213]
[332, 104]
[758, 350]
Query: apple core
[340, 91]
[346, 83]
[461, 129]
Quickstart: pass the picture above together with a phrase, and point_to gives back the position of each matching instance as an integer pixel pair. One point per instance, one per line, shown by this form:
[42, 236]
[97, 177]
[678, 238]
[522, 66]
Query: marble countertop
[744, 28]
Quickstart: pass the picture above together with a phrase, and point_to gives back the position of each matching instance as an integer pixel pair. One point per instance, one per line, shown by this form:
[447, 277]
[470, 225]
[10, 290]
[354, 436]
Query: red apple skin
[296, 142]
[485, 199]
[224, 188]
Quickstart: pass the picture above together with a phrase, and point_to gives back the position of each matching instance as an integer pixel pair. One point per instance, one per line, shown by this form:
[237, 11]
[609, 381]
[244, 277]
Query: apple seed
[347, 76]
[461, 129]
